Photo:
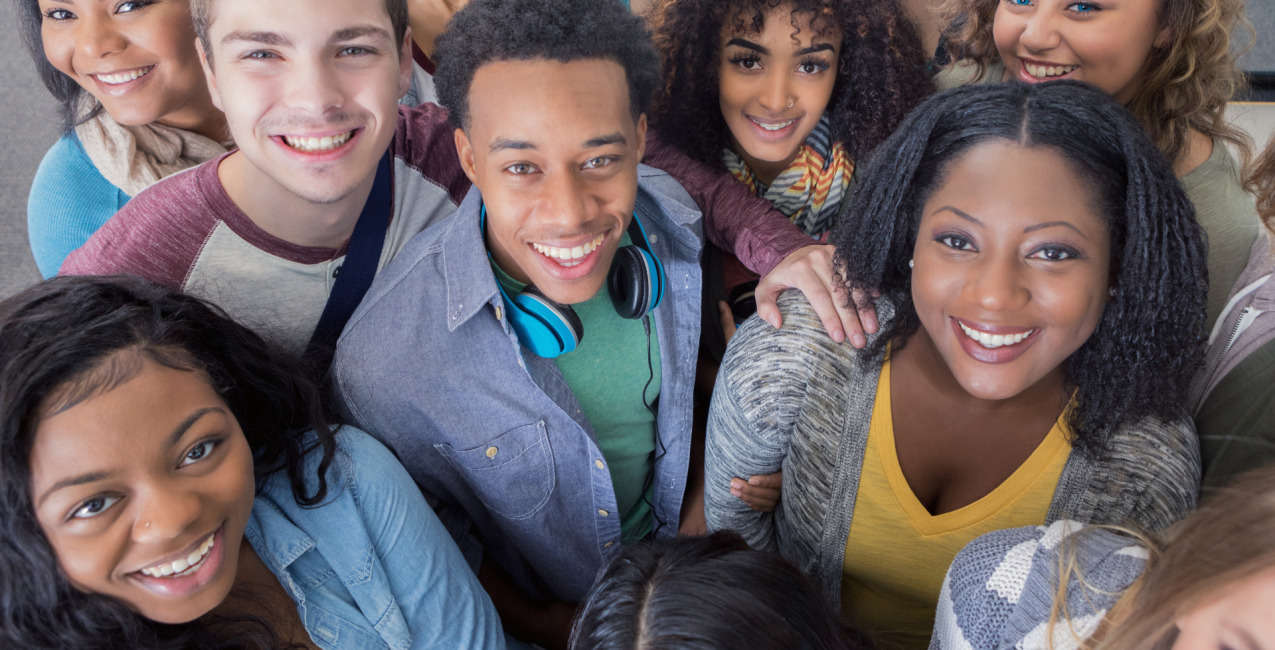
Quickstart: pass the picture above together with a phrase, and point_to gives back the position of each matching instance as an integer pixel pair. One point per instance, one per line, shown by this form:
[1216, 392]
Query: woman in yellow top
[1042, 284]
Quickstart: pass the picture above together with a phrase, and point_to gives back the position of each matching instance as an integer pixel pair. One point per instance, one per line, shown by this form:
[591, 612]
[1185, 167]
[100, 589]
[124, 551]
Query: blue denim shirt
[372, 566]
[430, 365]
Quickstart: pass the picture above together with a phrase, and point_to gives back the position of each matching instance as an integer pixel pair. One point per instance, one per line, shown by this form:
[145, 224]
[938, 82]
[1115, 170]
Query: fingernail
[754, 481]
[736, 484]
[734, 492]
[859, 341]
[838, 335]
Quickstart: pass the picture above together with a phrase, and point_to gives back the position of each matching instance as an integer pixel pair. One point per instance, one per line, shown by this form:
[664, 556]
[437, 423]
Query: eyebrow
[1053, 224]
[960, 213]
[500, 144]
[94, 477]
[264, 38]
[747, 44]
[351, 33]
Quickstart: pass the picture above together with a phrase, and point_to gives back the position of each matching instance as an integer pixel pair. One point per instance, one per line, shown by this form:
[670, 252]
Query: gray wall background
[29, 125]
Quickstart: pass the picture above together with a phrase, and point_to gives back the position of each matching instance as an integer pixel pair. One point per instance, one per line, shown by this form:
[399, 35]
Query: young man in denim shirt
[540, 467]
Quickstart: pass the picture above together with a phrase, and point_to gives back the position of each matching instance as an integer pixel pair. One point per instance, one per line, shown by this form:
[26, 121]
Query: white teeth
[1046, 71]
[182, 567]
[993, 341]
[124, 77]
[326, 143]
[567, 256]
[772, 127]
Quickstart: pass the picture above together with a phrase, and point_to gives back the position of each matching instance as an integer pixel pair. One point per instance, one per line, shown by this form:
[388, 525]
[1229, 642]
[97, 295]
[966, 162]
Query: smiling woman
[169, 481]
[135, 105]
[1019, 238]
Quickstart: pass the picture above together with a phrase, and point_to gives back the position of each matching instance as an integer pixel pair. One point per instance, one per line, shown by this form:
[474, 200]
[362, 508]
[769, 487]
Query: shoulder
[1215, 184]
[1148, 475]
[157, 235]
[68, 202]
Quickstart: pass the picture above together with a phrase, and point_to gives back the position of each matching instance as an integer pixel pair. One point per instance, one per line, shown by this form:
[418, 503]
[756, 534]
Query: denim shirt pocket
[512, 474]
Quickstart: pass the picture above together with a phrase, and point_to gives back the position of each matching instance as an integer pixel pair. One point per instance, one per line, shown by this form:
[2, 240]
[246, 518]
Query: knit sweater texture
[791, 399]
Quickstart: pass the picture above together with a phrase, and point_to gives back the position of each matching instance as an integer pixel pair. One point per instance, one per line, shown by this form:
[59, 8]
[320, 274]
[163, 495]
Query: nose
[777, 93]
[997, 285]
[97, 37]
[565, 204]
[1040, 34]
[313, 87]
[164, 513]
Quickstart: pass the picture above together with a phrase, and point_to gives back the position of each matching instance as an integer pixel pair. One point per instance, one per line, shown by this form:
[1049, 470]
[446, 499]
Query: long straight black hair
[56, 338]
[1150, 339]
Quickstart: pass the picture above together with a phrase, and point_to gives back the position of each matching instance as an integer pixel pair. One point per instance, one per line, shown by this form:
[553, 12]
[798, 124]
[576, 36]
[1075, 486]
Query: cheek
[59, 49]
[1006, 28]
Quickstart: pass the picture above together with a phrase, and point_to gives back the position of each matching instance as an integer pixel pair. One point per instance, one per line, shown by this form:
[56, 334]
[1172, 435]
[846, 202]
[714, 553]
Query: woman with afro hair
[788, 95]
[1042, 286]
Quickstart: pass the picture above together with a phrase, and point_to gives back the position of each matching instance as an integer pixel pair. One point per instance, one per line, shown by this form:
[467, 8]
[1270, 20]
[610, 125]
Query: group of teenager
[397, 324]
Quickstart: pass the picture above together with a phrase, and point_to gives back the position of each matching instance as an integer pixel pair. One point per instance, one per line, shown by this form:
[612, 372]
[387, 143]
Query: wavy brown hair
[1186, 84]
[1260, 180]
[880, 74]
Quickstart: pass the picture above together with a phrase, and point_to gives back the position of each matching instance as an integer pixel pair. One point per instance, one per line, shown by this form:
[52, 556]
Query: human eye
[199, 452]
[521, 169]
[94, 507]
[1054, 253]
[260, 55]
[599, 162]
[354, 50]
[812, 66]
[746, 60]
[1019, 3]
[1083, 7]
[957, 242]
[58, 14]
[131, 5]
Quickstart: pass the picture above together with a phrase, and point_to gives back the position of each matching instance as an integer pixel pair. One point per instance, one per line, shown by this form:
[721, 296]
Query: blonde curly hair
[1261, 182]
[1187, 83]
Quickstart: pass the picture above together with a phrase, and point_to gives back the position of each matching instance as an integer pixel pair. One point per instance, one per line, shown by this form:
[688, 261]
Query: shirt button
[491, 452]
[497, 312]
[607, 545]
[603, 513]
[654, 238]
[336, 272]
[599, 464]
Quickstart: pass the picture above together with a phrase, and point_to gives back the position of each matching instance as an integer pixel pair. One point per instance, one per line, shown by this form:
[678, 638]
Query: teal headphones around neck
[635, 281]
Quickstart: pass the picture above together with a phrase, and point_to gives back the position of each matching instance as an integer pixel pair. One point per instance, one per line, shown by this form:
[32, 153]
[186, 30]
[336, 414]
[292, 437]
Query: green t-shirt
[607, 373]
[1236, 425]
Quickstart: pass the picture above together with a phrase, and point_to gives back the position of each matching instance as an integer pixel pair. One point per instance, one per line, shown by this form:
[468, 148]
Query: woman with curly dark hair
[1042, 284]
[167, 480]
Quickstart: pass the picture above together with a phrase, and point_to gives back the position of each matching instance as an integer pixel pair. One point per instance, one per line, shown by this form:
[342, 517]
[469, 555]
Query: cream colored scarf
[133, 158]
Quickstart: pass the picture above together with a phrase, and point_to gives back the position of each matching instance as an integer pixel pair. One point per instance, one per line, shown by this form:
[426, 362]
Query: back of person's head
[1184, 83]
[1209, 556]
[707, 593]
[66, 340]
[1138, 361]
[490, 31]
[1261, 182]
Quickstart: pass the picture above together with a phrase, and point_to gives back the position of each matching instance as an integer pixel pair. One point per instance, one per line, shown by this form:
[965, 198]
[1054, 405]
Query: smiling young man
[542, 463]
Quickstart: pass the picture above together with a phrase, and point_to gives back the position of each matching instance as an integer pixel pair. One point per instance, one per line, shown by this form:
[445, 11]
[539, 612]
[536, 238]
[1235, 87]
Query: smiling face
[1011, 267]
[144, 492]
[1239, 618]
[774, 86]
[1105, 43]
[137, 58]
[554, 149]
[310, 89]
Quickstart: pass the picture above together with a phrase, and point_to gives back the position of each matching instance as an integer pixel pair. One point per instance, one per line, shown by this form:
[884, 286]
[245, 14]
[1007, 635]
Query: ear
[465, 151]
[1164, 38]
[405, 64]
[641, 136]
[209, 76]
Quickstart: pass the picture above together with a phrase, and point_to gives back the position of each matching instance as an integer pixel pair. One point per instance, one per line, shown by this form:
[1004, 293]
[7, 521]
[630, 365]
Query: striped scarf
[811, 189]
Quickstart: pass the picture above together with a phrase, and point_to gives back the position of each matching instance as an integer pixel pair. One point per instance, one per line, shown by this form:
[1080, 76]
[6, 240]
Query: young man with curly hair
[310, 91]
[545, 451]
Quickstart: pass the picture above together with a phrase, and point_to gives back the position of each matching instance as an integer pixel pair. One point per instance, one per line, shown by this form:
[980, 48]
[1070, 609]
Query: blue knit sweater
[69, 201]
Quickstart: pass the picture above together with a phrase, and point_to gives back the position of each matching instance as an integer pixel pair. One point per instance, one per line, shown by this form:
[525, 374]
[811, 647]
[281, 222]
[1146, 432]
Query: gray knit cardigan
[793, 399]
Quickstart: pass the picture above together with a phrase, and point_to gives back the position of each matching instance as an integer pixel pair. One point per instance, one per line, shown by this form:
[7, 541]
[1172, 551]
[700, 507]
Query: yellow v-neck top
[897, 553]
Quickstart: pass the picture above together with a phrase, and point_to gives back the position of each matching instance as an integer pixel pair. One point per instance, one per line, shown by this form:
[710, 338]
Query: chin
[992, 389]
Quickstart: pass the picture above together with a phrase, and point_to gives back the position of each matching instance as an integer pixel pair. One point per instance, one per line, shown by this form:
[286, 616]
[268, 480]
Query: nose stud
[791, 102]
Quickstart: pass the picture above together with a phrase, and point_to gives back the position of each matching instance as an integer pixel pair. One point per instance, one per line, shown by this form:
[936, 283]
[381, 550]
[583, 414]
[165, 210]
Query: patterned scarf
[811, 189]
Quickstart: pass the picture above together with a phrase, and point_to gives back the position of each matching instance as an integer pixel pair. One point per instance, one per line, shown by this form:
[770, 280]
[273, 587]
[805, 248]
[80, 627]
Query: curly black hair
[1149, 341]
[489, 31]
[708, 592]
[880, 74]
[58, 341]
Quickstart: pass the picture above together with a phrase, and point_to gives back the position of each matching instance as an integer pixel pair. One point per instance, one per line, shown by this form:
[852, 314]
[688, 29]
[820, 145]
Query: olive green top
[1223, 208]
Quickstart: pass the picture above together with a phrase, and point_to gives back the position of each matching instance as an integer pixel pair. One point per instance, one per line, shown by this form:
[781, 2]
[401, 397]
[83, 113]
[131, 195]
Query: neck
[924, 359]
[766, 171]
[283, 214]
[428, 18]
[199, 117]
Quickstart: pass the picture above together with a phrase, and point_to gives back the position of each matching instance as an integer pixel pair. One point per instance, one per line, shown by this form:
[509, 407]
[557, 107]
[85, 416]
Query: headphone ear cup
[629, 282]
[545, 327]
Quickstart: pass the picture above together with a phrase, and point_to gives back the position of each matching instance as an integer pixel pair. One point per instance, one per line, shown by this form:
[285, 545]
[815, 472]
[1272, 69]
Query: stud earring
[911, 264]
[1113, 292]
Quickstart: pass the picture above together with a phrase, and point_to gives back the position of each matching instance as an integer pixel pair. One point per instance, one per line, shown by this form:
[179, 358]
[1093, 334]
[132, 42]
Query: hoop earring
[791, 102]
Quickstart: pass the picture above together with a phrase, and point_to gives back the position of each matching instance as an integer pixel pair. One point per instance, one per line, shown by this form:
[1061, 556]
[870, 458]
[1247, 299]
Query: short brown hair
[201, 14]
[1188, 82]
